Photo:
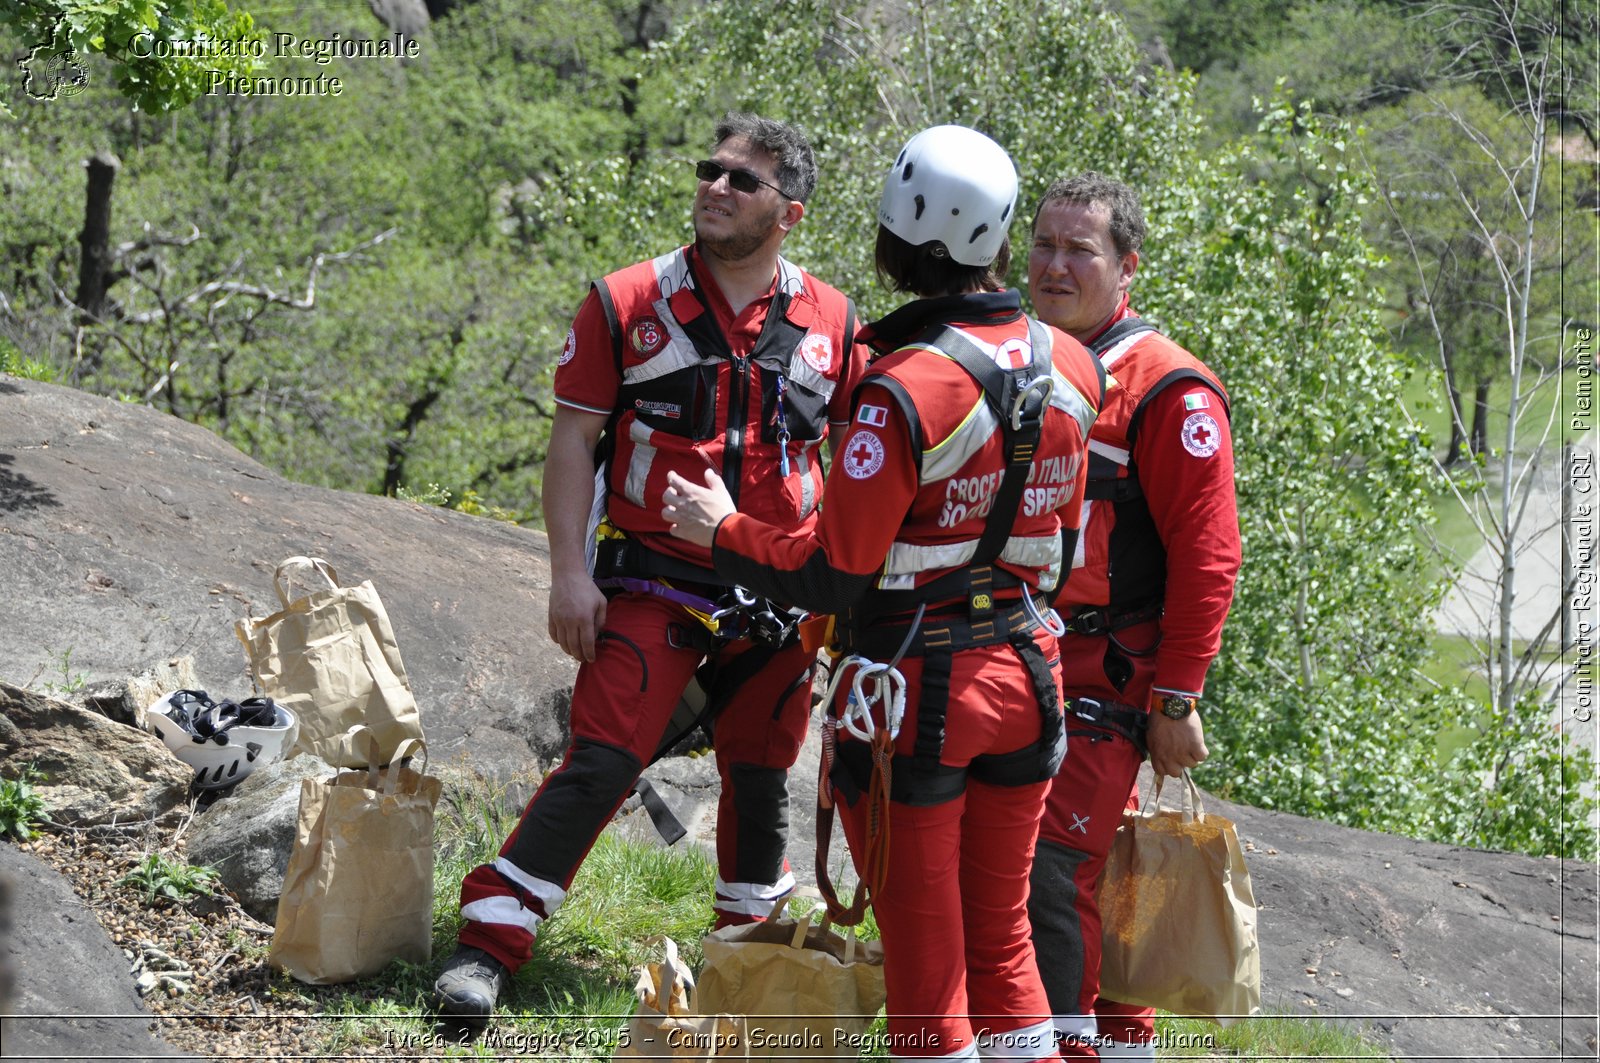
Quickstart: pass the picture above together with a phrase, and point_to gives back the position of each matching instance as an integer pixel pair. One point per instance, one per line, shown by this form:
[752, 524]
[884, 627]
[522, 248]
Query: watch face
[1176, 708]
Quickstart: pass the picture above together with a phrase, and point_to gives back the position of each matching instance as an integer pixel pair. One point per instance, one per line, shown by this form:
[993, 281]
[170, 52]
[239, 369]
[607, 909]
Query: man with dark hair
[719, 355]
[1149, 590]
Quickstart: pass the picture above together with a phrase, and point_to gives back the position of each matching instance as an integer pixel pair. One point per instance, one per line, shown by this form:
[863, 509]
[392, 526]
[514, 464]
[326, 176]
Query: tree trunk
[94, 267]
[1480, 418]
[1458, 422]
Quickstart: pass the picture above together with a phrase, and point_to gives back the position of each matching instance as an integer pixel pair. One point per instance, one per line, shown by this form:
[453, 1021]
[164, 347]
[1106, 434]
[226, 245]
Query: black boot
[469, 984]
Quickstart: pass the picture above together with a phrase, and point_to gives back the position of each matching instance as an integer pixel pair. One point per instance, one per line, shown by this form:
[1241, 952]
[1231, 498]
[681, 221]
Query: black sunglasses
[738, 180]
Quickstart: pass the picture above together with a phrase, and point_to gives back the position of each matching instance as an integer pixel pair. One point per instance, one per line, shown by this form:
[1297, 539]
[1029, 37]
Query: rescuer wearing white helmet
[969, 432]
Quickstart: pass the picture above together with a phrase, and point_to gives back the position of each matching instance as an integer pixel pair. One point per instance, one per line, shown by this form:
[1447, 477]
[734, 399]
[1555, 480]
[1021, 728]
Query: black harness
[1020, 402]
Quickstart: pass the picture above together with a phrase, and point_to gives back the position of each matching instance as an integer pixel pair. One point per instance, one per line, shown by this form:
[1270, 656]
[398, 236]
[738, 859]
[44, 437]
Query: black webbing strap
[1128, 326]
[666, 824]
[932, 705]
[1020, 408]
[632, 559]
[1119, 718]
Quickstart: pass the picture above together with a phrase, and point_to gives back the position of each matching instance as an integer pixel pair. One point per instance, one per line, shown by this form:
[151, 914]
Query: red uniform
[688, 385]
[1146, 601]
[906, 512]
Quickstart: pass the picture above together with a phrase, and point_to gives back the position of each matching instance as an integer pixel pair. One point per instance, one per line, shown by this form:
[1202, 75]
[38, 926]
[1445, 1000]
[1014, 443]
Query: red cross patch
[648, 336]
[569, 348]
[1201, 435]
[863, 456]
[817, 350]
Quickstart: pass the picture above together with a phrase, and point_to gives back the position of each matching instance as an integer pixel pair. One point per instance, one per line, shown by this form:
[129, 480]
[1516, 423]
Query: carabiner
[1045, 384]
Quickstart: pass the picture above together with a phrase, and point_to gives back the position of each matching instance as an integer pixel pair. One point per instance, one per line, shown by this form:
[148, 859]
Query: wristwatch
[1177, 706]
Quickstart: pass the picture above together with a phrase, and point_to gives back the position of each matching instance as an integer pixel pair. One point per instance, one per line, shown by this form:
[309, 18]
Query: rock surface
[131, 538]
[69, 1001]
[89, 769]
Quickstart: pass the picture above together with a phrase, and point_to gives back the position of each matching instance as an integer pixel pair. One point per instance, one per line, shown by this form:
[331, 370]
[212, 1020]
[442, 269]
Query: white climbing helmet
[955, 185]
[222, 743]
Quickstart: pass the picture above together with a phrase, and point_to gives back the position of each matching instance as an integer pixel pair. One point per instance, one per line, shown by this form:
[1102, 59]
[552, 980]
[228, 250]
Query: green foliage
[15, 363]
[160, 877]
[71, 682]
[21, 807]
[1269, 1037]
[163, 52]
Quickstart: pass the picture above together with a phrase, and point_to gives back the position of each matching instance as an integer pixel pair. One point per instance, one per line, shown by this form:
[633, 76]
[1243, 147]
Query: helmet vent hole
[905, 174]
[1004, 214]
[954, 211]
[979, 231]
[922, 205]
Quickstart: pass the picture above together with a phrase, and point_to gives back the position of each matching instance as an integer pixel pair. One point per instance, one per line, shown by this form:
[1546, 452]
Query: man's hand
[694, 511]
[577, 613]
[1175, 744]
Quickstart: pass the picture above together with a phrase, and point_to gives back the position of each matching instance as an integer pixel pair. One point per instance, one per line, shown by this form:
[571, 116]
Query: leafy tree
[163, 52]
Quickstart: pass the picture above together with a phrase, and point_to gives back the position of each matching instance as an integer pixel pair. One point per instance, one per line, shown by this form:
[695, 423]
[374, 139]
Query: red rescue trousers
[1096, 782]
[622, 703]
[958, 960]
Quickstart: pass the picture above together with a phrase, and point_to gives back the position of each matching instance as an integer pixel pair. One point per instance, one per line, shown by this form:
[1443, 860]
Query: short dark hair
[1127, 219]
[797, 166]
[928, 270]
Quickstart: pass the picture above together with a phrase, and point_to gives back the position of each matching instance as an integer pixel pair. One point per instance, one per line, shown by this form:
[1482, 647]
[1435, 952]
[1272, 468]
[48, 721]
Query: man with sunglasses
[720, 355]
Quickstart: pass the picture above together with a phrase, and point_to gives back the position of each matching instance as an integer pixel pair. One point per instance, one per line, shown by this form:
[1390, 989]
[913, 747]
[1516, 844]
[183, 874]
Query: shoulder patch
[864, 455]
[1201, 435]
[1197, 400]
[876, 416]
[569, 348]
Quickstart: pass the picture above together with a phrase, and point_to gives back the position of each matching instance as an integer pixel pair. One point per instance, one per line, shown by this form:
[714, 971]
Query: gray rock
[89, 769]
[71, 999]
[128, 536]
[128, 701]
[248, 835]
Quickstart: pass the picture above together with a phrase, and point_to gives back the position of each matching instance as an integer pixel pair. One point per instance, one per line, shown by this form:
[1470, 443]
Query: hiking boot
[469, 984]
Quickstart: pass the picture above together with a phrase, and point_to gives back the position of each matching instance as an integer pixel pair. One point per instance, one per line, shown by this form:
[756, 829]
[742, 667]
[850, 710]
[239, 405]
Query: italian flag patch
[1196, 400]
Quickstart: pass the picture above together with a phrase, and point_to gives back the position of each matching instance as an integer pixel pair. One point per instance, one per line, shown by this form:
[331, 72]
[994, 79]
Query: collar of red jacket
[901, 326]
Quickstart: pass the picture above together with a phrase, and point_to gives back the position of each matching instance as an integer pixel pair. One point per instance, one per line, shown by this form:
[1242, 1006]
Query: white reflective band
[1121, 348]
[1106, 450]
[672, 272]
[751, 898]
[969, 1052]
[945, 458]
[639, 462]
[1115, 1051]
[1031, 1042]
[549, 894]
[1034, 551]
[808, 490]
[1079, 1026]
[1070, 401]
[1083, 529]
[503, 910]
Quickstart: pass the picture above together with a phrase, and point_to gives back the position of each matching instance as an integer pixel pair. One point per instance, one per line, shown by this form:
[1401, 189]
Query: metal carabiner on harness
[1052, 623]
[887, 686]
[1044, 384]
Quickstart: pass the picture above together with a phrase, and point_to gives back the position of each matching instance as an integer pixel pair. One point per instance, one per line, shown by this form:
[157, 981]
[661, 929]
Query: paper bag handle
[671, 972]
[297, 563]
[1193, 808]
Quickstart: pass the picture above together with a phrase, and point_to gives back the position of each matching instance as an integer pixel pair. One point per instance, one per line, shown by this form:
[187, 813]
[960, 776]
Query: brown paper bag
[805, 992]
[358, 891]
[1178, 917]
[668, 1023]
[330, 658]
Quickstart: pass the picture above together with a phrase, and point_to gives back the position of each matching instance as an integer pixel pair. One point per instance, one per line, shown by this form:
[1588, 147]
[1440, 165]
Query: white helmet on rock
[954, 185]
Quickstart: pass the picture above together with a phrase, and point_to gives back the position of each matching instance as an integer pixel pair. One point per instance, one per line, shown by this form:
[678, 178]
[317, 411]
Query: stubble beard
[740, 244]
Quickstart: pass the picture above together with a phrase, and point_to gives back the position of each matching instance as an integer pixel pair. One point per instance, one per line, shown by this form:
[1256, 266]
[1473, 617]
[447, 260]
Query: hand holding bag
[804, 992]
[668, 1024]
[358, 891]
[330, 658]
[1178, 917]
